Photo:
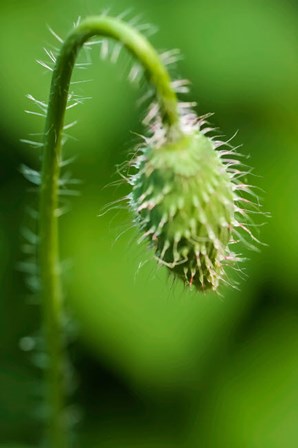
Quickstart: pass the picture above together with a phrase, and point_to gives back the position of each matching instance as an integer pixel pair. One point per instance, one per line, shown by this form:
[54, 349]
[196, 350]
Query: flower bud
[183, 198]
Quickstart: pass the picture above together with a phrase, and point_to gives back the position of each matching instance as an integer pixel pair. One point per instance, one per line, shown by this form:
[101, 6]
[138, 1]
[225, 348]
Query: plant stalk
[158, 76]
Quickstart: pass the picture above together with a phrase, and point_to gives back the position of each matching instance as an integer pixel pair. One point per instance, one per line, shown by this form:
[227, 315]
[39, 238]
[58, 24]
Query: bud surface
[184, 203]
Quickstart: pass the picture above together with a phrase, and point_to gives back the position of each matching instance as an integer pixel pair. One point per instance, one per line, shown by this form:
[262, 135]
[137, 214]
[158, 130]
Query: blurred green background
[158, 366]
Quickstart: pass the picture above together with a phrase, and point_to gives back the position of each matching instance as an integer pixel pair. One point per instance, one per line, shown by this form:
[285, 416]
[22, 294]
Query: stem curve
[48, 234]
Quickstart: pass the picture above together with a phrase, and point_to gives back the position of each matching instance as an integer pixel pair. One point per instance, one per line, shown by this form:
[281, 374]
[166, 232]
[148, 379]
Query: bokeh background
[157, 366]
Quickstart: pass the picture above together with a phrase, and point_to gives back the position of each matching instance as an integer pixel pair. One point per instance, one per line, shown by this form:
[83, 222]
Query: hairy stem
[158, 76]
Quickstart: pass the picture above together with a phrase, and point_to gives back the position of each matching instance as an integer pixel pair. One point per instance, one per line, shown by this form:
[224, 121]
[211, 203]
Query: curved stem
[49, 258]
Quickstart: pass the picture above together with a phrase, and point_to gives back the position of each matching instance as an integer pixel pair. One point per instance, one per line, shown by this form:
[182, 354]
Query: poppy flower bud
[183, 198]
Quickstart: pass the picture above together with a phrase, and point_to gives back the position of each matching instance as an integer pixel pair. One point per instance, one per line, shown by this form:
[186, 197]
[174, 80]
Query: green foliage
[160, 368]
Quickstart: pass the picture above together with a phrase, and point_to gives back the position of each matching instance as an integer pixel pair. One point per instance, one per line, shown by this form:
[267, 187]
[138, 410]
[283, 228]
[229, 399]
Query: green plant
[186, 194]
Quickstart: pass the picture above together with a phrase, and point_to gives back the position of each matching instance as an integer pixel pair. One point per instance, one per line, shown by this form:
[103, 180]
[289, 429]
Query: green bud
[183, 198]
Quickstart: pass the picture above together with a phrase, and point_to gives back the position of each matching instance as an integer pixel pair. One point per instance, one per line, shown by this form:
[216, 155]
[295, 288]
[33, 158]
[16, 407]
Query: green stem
[49, 257]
